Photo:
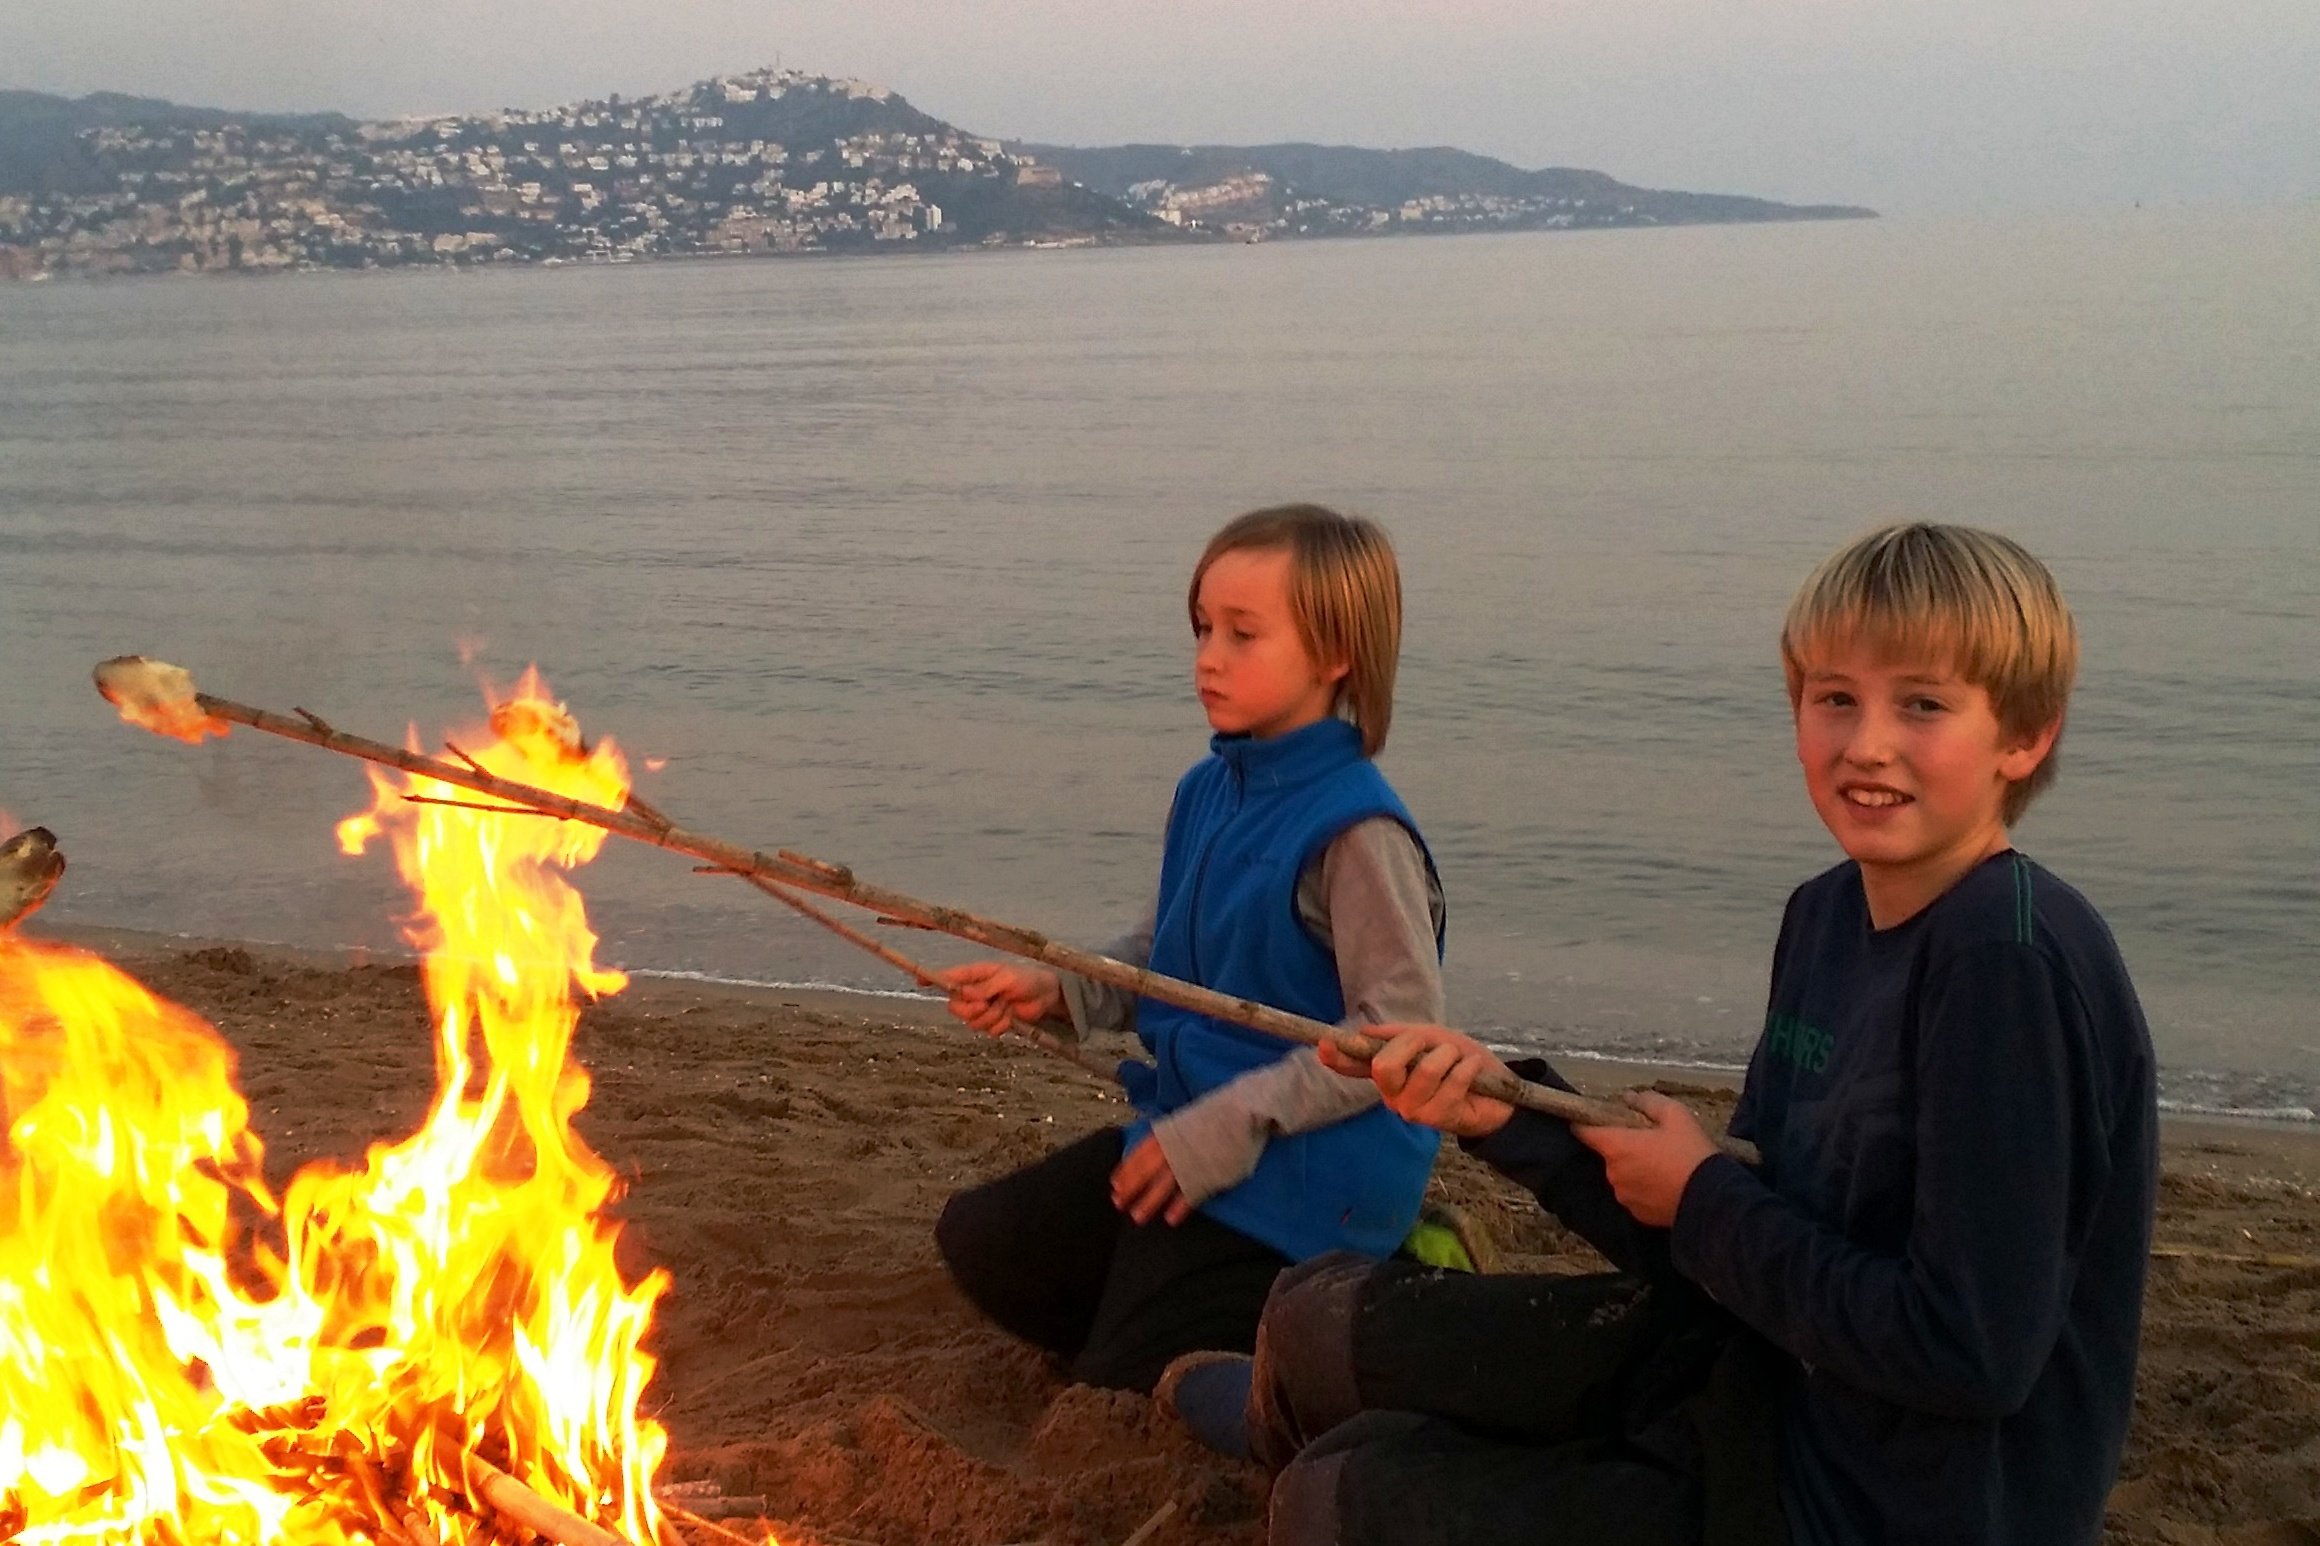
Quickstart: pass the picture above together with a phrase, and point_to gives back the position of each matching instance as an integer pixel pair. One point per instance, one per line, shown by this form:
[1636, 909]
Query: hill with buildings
[1332, 190]
[773, 161]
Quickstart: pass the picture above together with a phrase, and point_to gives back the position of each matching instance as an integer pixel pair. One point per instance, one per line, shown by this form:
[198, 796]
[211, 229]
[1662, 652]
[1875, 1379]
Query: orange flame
[181, 1360]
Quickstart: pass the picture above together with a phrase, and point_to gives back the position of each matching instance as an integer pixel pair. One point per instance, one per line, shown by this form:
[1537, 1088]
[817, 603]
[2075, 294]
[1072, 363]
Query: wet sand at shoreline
[786, 1152]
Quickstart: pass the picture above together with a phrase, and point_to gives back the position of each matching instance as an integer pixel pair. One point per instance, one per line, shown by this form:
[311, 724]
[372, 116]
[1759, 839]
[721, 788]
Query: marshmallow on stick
[30, 866]
[157, 696]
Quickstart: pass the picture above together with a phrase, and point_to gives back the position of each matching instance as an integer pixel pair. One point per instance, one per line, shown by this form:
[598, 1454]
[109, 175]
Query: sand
[786, 1154]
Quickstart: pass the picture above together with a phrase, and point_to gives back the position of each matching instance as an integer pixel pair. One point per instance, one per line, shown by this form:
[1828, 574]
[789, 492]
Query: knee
[1311, 1307]
[1303, 1508]
[960, 1236]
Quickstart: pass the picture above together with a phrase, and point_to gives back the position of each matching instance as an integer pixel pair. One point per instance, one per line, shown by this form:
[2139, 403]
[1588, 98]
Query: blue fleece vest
[1246, 822]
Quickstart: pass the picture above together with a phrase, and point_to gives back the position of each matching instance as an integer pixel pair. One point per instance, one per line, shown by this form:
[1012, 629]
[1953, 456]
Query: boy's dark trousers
[1043, 1252]
[1403, 1406]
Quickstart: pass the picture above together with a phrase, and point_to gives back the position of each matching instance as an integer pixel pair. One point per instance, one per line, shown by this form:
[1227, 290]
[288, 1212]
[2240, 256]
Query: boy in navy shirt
[1917, 1321]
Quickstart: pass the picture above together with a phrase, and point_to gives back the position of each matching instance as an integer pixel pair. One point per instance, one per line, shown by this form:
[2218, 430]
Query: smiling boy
[1942, 1256]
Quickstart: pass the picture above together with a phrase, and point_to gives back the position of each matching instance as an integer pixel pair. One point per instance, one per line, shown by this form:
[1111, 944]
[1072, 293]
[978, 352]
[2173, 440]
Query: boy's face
[1249, 662]
[1907, 767]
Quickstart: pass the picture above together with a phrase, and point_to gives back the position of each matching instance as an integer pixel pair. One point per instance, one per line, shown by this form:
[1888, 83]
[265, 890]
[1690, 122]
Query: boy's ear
[1336, 671]
[2018, 759]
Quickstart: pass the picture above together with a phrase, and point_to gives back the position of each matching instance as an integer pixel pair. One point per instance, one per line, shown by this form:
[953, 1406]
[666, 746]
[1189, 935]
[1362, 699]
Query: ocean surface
[886, 559]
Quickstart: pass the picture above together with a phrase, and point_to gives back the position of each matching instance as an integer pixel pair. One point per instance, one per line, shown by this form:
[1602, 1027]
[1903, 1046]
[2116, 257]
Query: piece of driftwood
[805, 873]
[1151, 1526]
[684, 1515]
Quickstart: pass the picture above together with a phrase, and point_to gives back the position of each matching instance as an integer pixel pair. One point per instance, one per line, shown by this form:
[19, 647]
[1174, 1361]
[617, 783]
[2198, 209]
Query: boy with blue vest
[1292, 875]
[1917, 1320]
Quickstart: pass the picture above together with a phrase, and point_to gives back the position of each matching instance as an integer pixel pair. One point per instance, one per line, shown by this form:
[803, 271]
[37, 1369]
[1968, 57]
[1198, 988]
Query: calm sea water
[886, 559]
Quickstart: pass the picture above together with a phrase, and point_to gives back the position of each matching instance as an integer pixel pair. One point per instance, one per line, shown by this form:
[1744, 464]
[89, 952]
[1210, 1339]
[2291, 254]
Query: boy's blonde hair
[1345, 591]
[1953, 593]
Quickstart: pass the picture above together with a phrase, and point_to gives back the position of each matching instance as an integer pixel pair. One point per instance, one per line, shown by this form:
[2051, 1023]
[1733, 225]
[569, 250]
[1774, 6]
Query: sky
[1906, 105]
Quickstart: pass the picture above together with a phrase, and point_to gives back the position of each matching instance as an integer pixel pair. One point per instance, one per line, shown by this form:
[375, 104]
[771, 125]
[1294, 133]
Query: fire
[183, 1358]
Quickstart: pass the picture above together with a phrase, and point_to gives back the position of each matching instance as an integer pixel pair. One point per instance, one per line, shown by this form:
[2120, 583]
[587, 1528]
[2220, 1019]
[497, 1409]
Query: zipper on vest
[1200, 870]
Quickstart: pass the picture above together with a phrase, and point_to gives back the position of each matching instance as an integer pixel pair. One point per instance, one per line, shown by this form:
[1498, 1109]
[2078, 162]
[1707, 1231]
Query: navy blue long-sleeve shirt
[1950, 1230]
[1952, 1223]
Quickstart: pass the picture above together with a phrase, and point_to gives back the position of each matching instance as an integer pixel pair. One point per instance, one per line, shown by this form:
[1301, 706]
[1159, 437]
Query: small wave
[784, 984]
[2194, 1108]
[1641, 1059]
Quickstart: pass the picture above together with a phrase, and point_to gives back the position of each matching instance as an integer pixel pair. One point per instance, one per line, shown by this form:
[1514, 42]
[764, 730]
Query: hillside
[772, 161]
[1311, 190]
[45, 146]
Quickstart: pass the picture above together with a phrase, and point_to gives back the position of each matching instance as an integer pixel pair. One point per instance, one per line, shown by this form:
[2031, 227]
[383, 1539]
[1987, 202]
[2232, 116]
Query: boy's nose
[1871, 743]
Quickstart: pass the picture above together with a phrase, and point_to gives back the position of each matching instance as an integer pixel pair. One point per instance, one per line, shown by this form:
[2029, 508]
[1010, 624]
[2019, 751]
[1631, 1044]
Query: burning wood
[186, 1356]
[797, 871]
[30, 866]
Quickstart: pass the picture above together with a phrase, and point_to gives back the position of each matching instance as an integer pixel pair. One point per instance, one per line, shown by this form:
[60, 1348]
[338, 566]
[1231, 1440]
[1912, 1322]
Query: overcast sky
[1903, 104]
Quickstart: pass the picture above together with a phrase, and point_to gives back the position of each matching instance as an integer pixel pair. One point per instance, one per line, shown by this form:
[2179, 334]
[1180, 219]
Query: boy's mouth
[1875, 797]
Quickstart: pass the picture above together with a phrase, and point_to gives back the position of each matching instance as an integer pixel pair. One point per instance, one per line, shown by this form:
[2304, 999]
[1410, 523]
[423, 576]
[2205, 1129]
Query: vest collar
[1289, 760]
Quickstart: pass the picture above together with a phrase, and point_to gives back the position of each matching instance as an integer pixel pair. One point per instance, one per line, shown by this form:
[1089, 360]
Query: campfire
[434, 1345]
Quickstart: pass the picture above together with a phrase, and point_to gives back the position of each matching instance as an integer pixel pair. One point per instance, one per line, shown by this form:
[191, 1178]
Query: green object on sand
[1438, 1245]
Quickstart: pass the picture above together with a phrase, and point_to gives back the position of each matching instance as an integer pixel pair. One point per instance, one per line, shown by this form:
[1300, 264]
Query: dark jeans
[1404, 1406]
[1043, 1252]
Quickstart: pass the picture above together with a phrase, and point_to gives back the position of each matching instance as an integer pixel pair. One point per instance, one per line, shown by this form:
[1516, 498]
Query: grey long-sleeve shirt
[1375, 905]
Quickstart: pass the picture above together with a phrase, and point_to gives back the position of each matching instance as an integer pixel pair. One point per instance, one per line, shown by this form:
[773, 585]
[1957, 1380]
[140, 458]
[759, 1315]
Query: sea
[883, 560]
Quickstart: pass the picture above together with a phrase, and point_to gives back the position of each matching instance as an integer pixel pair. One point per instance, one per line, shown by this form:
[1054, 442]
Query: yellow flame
[181, 1360]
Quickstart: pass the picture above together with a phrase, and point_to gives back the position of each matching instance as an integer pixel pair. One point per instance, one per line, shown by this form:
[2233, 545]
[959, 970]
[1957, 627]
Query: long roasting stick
[1045, 1040]
[836, 881]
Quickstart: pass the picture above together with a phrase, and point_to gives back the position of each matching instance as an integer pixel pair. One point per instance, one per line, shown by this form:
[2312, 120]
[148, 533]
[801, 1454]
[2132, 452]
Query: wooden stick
[1151, 1526]
[686, 1516]
[490, 1487]
[836, 881]
[1047, 1040]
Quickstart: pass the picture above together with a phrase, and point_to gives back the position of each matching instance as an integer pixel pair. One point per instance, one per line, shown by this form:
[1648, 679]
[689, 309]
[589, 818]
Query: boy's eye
[1924, 705]
[1832, 698]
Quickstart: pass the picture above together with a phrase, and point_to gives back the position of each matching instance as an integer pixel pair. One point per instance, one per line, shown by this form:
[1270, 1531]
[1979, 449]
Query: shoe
[1447, 1236]
[1209, 1394]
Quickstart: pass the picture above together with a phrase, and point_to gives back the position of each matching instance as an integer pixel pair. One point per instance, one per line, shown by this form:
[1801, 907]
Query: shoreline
[1595, 1073]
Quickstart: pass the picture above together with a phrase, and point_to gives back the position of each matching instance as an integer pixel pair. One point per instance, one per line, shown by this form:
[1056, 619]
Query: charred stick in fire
[493, 1490]
[162, 697]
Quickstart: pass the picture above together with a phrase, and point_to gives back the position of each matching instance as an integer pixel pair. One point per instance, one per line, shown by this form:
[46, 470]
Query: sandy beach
[786, 1153]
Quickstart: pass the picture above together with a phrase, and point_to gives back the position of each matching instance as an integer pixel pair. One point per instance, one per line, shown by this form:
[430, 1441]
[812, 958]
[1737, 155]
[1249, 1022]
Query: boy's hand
[996, 996]
[1648, 1167]
[1426, 1074]
[1144, 1188]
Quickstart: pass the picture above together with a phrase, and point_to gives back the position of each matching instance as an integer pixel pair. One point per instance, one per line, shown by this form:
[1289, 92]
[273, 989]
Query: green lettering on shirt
[1800, 1045]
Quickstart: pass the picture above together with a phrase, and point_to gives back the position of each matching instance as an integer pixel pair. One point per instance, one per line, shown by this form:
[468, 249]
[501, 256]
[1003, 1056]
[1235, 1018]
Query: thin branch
[470, 805]
[1151, 1526]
